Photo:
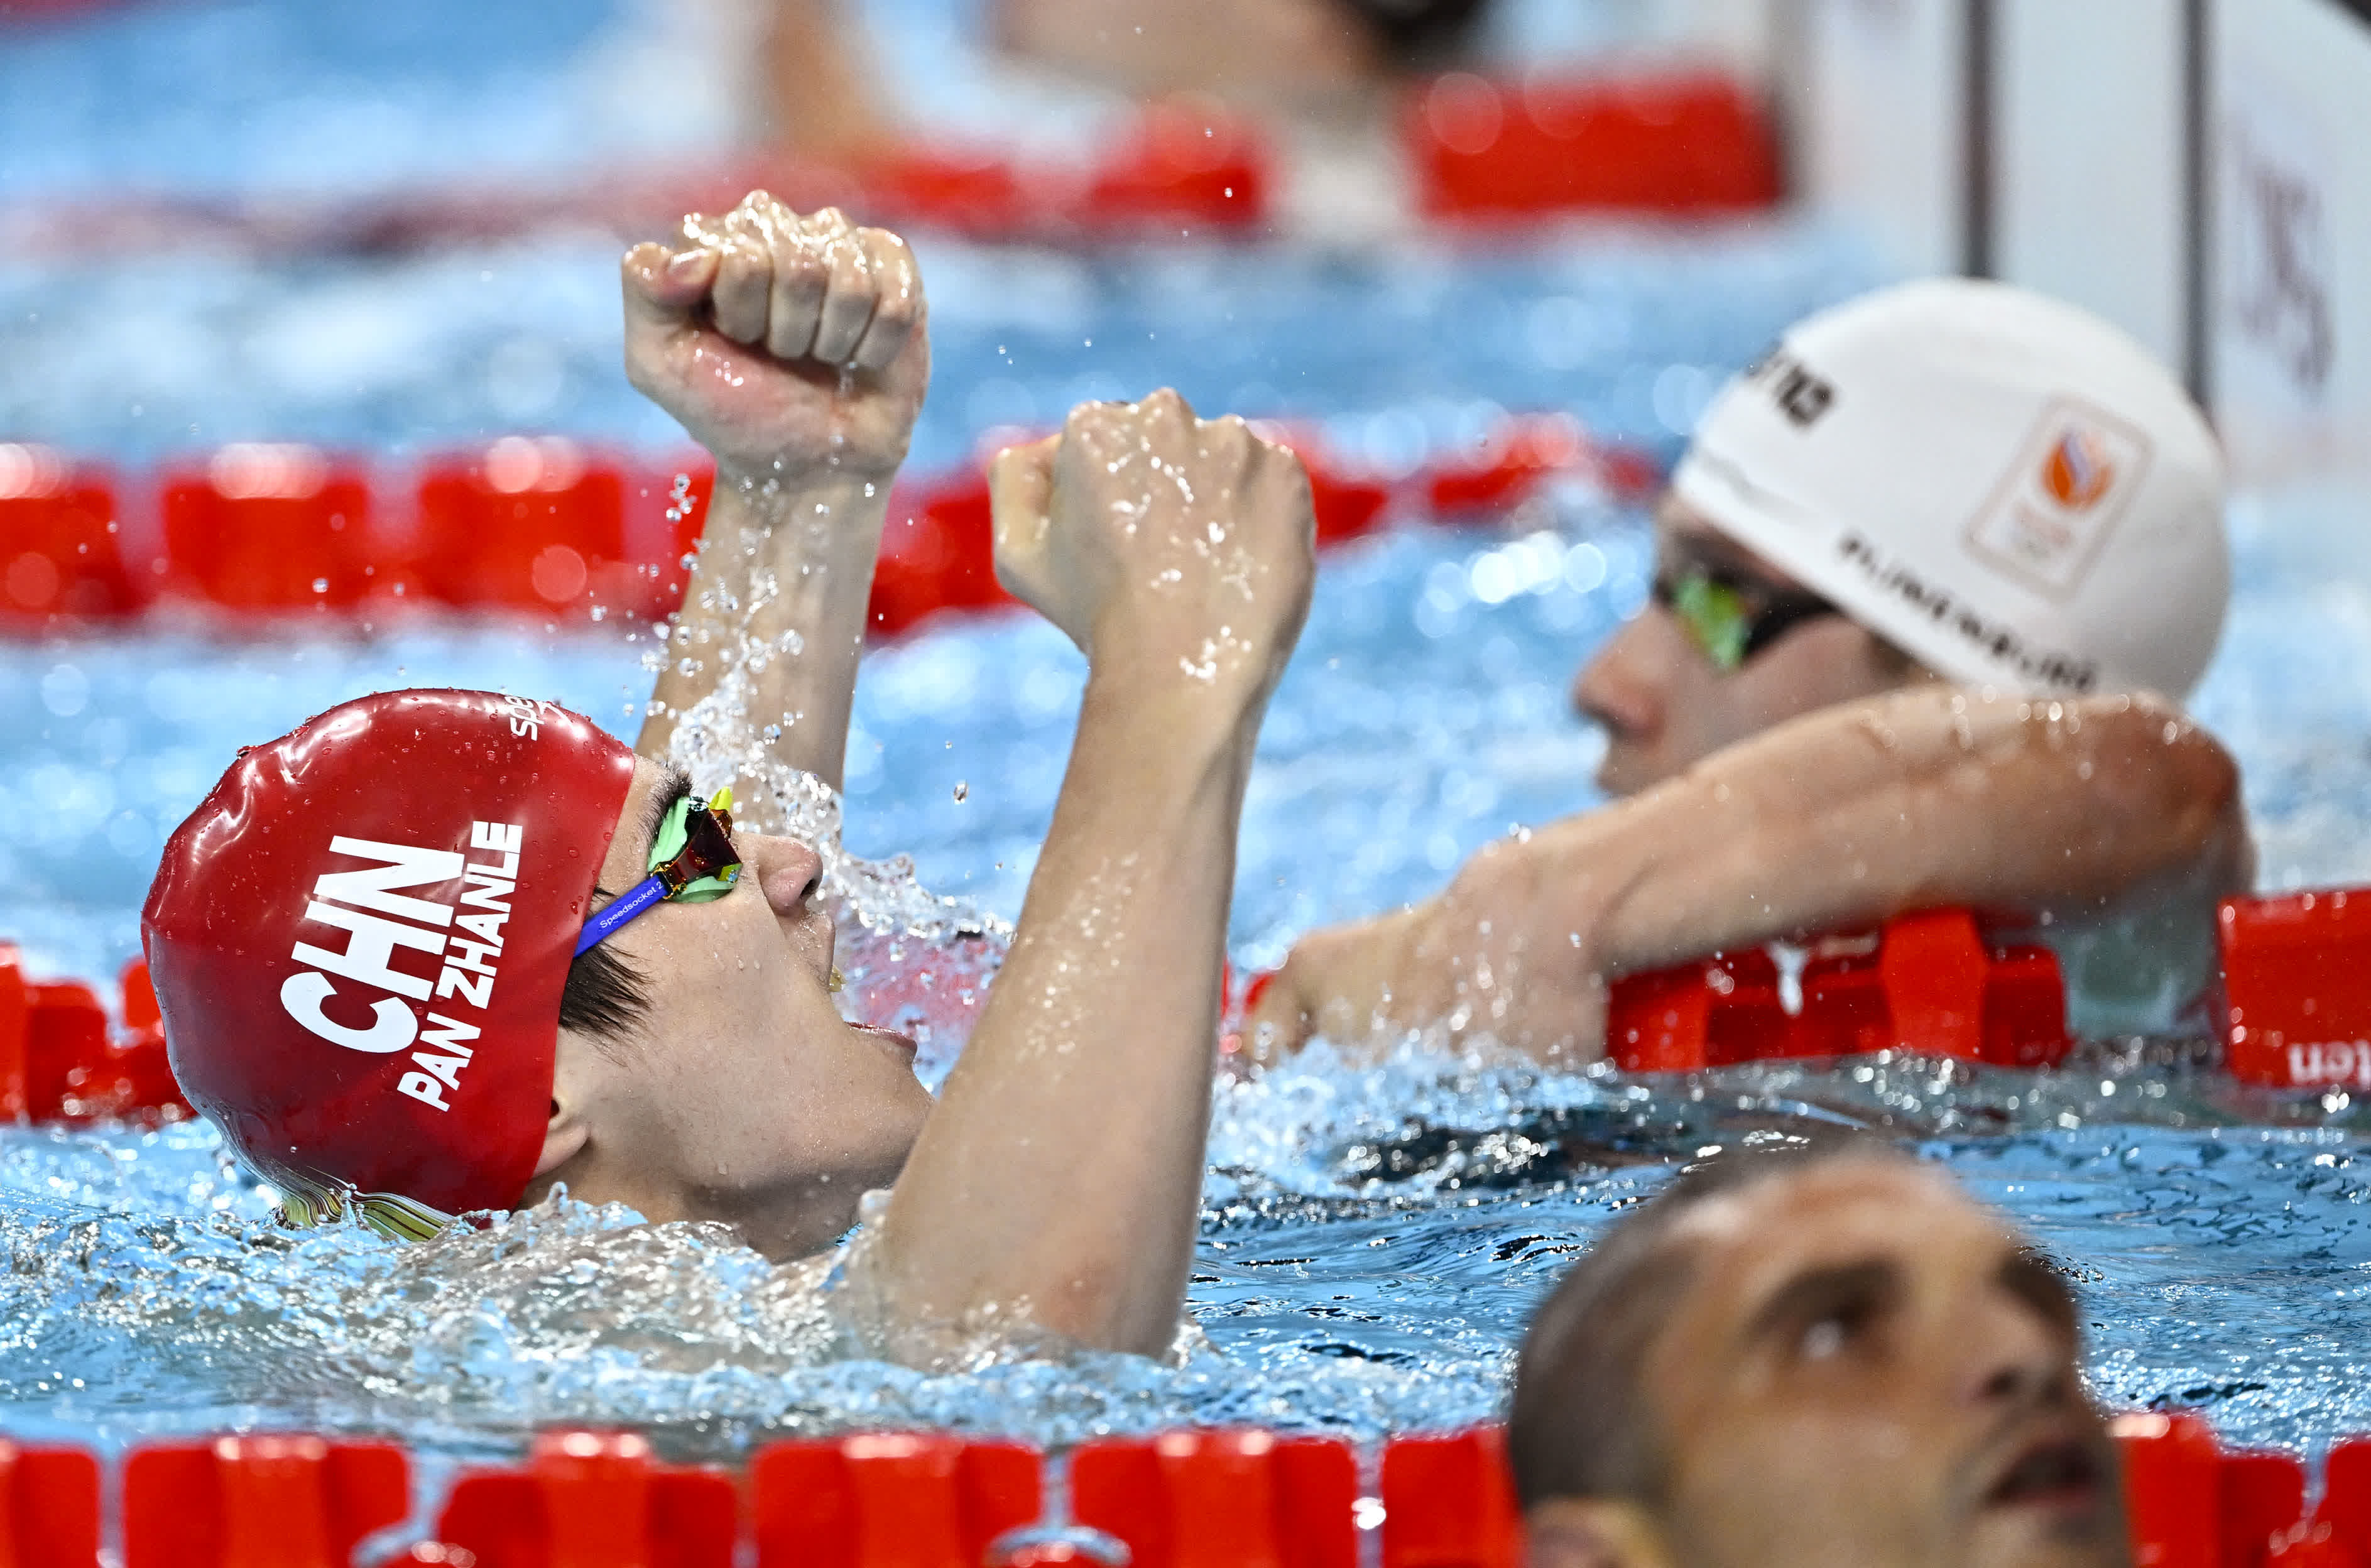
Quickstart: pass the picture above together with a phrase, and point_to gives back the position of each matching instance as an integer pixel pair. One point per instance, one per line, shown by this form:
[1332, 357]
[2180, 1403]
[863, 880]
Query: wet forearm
[777, 603]
[1099, 1039]
[1930, 797]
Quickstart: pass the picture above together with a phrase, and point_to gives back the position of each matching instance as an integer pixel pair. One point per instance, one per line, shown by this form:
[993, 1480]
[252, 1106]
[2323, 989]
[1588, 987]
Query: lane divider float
[586, 1498]
[255, 532]
[1662, 143]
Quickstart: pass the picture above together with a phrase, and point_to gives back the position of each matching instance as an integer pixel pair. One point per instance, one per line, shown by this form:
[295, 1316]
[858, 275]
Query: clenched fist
[786, 345]
[1164, 545]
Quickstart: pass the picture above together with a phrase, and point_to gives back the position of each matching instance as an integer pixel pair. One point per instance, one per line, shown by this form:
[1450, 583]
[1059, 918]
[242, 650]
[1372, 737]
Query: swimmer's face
[744, 1096]
[1869, 1367]
[1665, 705]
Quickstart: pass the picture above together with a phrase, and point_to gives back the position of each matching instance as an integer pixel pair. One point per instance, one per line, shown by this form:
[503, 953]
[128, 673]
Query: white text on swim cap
[370, 952]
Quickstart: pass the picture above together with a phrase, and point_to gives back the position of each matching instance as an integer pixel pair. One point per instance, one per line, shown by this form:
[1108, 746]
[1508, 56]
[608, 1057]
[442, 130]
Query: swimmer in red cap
[443, 952]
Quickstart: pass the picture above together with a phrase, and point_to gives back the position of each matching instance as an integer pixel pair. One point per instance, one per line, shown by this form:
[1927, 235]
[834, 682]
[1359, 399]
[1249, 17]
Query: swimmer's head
[1821, 1356]
[1977, 483]
[361, 946]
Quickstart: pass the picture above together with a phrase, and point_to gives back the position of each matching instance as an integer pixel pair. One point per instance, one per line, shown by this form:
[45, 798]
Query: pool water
[1373, 1236]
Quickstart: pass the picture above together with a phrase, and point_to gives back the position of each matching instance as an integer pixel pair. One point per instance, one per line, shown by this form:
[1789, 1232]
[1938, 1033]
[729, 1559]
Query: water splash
[914, 960]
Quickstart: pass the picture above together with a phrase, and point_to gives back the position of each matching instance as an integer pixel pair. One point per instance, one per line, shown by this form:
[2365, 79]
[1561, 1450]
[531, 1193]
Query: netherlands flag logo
[2078, 470]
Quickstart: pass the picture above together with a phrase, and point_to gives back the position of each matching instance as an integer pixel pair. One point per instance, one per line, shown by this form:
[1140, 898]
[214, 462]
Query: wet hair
[1414, 34]
[1582, 1423]
[605, 998]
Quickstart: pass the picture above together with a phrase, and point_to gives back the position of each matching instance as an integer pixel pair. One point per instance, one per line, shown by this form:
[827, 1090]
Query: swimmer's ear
[564, 1136]
[1592, 1532]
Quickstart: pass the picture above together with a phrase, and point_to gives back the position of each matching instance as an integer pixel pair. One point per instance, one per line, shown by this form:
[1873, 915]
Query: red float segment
[971, 191]
[2172, 1491]
[2262, 1497]
[2297, 977]
[76, 1069]
[1189, 165]
[891, 1500]
[1503, 469]
[1928, 984]
[532, 523]
[938, 552]
[592, 1500]
[16, 1005]
[61, 550]
[291, 1502]
[1932, 967]
[65, 1037]
[1220, 1499]
[2346, 1497]
[2188, 1503]
[1722, 1010]
[49, 1506]
[140, 1010]
[1448, 1502]
[1682, 144]
[268, 527]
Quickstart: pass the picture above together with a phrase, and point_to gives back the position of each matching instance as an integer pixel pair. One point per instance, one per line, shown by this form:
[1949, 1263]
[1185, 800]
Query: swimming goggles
[1731, 616]
[692, 859]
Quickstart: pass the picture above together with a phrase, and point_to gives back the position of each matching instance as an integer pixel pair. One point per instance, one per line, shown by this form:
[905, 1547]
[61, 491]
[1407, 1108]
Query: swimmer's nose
[1626, 686]
[2015, 1358]
[788, 872]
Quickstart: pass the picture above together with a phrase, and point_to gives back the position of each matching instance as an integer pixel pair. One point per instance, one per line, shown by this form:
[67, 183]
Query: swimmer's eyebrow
[674, 788]
[1867, 1284]
[2025, 1275]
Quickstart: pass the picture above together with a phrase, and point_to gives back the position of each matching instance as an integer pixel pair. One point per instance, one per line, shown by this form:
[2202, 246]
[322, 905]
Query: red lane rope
[1665, 144]
[547, 526]
[1182, 1499]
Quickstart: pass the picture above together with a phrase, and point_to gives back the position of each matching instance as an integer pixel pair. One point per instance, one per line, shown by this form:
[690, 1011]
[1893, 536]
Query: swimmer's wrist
[829, 513]
[1187, 717]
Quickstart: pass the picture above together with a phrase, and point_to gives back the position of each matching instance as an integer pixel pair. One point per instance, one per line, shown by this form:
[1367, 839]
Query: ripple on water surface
[1373, 1238]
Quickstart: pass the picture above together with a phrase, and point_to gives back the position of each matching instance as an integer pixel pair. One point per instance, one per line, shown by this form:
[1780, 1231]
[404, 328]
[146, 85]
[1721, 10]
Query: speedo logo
[464, 940]
[1801, 393]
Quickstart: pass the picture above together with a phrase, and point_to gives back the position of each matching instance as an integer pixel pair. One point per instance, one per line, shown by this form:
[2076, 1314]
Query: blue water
[1372, 1238]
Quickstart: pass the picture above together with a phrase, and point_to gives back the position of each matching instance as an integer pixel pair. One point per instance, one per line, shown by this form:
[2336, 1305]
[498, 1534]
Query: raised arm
[1057, 1183]
[1837, 820]
[796, 351]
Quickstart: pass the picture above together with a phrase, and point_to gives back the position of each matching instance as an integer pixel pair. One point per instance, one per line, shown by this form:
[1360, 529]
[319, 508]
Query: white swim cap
[2004, 486]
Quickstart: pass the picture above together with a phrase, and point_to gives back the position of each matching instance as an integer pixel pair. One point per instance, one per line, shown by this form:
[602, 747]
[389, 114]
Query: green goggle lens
[1714, 616]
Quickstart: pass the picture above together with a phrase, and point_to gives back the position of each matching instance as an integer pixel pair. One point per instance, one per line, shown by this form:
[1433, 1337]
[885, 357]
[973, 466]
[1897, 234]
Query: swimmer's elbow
[2168, 784]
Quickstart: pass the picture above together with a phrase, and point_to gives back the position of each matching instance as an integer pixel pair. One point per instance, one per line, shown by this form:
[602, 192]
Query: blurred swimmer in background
[1322, 77]
[1929, 584]
[1812, 1355]
[437, 952]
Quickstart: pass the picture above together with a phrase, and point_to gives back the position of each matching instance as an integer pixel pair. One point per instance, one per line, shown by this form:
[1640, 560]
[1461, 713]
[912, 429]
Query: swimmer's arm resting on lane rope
[797, 351]
[1058, 1185]
[1834, 821]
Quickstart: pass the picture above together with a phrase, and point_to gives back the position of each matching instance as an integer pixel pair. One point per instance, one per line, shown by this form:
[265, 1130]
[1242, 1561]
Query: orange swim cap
[358, 943]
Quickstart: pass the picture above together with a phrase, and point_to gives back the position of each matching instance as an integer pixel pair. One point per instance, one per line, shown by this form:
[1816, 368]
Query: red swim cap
[360, 940]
